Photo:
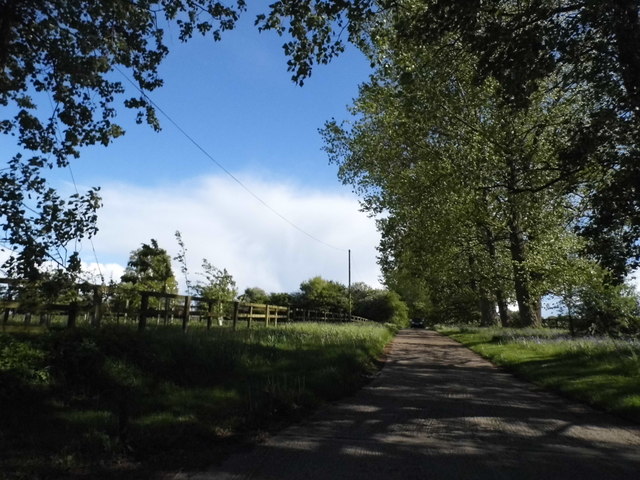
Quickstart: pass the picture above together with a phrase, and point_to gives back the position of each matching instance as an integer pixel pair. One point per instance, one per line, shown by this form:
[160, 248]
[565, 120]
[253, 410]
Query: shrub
[607, 309]
[385, 307]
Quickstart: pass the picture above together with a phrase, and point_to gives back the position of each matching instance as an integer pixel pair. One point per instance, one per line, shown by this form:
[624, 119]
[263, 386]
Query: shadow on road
[439, 411]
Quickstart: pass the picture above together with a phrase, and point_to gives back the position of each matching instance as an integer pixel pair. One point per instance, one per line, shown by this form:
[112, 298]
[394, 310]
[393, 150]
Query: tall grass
[78, 401]
[599, 370]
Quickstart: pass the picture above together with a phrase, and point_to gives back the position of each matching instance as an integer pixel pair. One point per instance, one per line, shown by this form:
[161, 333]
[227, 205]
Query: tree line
[498, 141]
[150, 269]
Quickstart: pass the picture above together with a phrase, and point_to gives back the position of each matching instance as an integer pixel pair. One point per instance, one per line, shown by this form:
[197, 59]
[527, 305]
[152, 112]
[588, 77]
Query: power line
[219, 165]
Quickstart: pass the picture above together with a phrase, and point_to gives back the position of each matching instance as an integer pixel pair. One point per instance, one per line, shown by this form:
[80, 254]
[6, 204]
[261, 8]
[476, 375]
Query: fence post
[209, 314]
[266, 315]
[167, 306]
[275, 321]
[250, 319]
[236, 307]
[72, 315]
[144, 306]
[187, 310]
[96, 314]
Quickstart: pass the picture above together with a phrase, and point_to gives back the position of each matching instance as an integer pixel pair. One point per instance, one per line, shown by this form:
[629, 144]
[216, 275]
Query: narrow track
[439, 411]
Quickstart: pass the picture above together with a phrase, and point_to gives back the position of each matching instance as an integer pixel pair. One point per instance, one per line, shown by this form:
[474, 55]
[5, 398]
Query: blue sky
[236, 99]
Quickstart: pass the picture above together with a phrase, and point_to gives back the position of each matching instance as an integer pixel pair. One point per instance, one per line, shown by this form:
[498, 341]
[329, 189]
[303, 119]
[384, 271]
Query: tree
[318, 293]
[219, 286]
[522, 46]
[382, 306]
[422, 120]
[59, 93]
[254, 295]
[149, 269]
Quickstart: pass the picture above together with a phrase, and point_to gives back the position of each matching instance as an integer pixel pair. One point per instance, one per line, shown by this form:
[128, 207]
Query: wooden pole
[236, 307]
[73, 315]
[209, 314]
[186, 312]
[144, 306]
[96, 317]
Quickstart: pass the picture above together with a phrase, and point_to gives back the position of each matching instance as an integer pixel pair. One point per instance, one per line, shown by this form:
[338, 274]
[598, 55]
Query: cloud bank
[223, 223]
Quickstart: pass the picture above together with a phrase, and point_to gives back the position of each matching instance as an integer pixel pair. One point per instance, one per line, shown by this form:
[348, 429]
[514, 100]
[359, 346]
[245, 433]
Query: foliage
[255, 295]
[106, 401]
[59, 91]
[282, 299]
[149, 268]
[383, 306]
[522, 47]
[320, 294]
[218, 286]
[605, 308]
[181, 258]
[499, 232]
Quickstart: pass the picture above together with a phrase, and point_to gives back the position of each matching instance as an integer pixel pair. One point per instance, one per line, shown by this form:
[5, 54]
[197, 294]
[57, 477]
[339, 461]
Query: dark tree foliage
[59, 88]
[149, 268]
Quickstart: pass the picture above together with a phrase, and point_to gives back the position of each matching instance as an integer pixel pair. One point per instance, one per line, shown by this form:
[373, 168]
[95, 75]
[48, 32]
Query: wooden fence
[98, 304]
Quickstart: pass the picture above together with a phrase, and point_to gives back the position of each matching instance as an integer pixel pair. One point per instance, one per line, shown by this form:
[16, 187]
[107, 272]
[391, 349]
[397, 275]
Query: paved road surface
[439, 411]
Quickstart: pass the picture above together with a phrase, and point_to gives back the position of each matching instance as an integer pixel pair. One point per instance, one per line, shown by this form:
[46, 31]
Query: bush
[602, 308]
[385, 307]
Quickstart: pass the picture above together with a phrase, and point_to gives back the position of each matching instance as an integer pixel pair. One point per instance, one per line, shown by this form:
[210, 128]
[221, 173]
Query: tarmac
[439, 411]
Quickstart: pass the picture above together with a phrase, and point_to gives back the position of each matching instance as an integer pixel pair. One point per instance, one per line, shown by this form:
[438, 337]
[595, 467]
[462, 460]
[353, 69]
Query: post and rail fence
[95, 304]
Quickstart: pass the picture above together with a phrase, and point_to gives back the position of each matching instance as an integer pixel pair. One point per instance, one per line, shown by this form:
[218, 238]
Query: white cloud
[220, 221]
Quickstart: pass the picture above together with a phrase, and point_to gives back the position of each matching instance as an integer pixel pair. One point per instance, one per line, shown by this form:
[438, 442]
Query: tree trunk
[526, 303]
[503, 310]
[503, 318]
[489, 317]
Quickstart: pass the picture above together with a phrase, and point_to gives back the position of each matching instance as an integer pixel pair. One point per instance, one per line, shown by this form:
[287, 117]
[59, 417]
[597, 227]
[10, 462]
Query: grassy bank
[601, 371]
[116, 402]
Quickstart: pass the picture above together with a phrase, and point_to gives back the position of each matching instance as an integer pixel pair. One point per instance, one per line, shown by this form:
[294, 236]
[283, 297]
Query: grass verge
[601, 371]
[118, 403]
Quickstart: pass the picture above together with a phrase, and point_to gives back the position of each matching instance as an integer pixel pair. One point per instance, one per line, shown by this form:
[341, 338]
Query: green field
[115, 402]
[601, 371]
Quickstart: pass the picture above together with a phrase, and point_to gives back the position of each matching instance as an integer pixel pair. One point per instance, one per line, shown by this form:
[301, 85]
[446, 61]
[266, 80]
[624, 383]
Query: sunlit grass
[602, 371]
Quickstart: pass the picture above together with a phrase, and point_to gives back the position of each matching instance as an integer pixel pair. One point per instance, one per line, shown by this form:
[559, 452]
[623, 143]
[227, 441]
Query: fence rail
[142, 307]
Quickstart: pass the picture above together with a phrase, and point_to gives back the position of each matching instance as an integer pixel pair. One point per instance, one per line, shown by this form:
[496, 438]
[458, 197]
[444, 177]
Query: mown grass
[601, 371]
[118, 403]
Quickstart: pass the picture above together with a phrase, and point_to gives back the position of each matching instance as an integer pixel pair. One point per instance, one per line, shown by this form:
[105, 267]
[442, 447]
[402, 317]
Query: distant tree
[149, 268]
[383, 306]
[218, 286]
[360, 291]
[282, 299]
[181, 258]
[254, 295]
[318, 293]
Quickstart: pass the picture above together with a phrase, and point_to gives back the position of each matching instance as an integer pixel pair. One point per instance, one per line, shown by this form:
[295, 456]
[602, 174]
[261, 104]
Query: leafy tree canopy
[318, 293]
[593, 44]
[149, 268]
[59, 90]
[218, 285]
[254, 295]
